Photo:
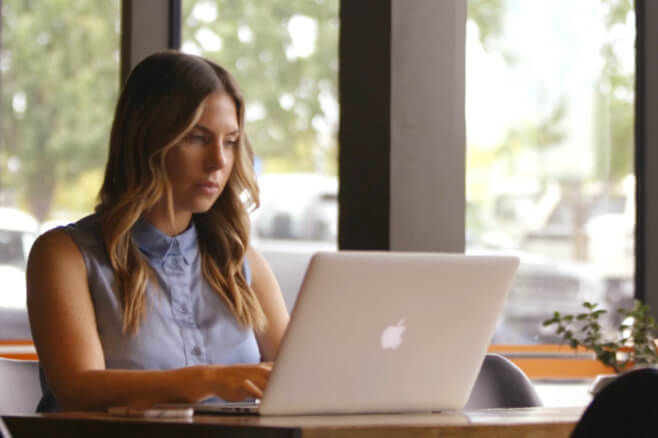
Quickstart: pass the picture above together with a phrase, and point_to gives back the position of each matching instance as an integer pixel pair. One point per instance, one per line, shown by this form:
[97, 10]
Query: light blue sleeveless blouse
[186, 323]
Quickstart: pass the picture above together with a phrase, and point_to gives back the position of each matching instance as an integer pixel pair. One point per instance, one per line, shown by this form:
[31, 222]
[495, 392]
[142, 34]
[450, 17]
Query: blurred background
[549, 114]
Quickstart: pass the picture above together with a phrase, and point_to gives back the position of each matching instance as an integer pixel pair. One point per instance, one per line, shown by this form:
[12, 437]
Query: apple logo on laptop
[392, 335]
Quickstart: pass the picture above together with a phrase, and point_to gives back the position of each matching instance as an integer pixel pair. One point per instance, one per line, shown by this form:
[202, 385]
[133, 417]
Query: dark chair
[628, 407]
[4, 432]
[501, 384]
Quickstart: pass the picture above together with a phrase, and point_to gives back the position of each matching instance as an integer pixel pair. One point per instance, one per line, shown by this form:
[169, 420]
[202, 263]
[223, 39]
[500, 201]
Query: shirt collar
[155, 243]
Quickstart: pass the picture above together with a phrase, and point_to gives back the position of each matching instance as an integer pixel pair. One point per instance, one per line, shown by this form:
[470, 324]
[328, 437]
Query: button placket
[182, 307]
[174, 265]
[177, 269]
[196, 354]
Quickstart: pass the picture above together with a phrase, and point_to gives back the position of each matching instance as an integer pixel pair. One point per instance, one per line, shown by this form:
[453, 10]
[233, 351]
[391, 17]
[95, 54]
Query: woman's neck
[159, 217]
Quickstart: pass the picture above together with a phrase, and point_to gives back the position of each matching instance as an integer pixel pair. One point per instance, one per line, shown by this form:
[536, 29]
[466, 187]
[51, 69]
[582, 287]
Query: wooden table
[500, 423]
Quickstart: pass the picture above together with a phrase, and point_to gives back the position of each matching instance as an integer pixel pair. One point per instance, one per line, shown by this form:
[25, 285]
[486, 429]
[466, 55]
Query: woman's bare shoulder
[52, 248]
[53, 240]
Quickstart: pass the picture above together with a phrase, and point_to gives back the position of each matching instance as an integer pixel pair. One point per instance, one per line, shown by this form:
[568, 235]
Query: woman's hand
[237, 382]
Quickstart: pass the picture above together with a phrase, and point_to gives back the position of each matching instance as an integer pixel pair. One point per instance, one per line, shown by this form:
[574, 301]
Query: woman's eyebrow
[203, 128]
[210, 131]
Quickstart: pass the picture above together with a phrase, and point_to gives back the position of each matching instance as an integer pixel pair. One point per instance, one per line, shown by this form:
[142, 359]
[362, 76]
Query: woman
[157, 296]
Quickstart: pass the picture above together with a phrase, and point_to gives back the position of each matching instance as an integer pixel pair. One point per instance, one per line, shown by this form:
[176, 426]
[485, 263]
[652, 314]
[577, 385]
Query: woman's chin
[202, 207]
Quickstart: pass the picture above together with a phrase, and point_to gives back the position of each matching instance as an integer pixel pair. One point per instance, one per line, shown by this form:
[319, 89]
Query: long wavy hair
[160, 103]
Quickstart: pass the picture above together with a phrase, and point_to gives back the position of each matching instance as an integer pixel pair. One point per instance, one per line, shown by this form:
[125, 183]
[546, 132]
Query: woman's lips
[209, 187]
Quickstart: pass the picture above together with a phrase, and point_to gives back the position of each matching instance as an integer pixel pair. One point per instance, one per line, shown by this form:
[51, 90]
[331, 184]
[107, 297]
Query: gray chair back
[501, 384]
[20, 390]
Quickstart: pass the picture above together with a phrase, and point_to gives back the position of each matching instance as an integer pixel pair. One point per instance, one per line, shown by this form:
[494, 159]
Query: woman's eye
[196, 138]
[230, 143]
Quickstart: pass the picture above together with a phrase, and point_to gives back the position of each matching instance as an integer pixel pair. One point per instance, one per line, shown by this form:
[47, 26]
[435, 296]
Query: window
[59, 64]
[285, 59]
[550, 114]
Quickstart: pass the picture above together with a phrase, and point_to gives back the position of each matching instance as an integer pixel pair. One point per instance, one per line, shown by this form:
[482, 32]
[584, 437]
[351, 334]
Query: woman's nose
[216, 158]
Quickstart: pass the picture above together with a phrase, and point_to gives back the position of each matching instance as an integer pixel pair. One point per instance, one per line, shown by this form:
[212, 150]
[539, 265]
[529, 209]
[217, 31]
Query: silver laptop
[384, 332]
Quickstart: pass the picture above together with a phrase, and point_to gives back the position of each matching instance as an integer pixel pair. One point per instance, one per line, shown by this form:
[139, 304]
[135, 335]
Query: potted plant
[634, 345]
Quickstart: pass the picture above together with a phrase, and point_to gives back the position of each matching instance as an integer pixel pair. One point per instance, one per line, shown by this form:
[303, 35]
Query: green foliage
[59, 75]
[614, 101]
[635, 344]
[487, 14]
[284, 137]
[256, 49]
[613, 96]
[545, 134]
[60, 58]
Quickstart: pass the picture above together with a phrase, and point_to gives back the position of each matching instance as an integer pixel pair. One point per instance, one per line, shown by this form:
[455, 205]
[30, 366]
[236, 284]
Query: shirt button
[183, 308]
[196, 351]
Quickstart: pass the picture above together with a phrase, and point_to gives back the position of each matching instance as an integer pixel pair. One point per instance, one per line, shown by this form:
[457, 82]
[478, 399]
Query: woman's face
[199, 166]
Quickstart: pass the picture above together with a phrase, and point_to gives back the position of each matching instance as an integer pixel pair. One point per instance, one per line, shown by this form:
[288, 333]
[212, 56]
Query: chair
[501, 384]
[625, 407]
[14, 324]
[20, 389]
[4, 432]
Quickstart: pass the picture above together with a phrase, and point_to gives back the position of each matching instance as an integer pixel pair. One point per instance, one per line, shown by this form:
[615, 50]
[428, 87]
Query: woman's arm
[64, 331]
[269, 294]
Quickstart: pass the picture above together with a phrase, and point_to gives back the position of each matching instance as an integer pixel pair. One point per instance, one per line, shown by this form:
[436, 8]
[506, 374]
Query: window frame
[646, 156]
[147, 26]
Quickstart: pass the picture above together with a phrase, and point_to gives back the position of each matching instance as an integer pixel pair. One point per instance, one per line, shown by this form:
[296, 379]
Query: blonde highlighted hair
[161, 101]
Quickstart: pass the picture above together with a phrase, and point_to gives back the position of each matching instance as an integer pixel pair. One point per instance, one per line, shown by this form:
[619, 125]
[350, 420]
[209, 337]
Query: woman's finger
[252, 389]
[258, 380]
